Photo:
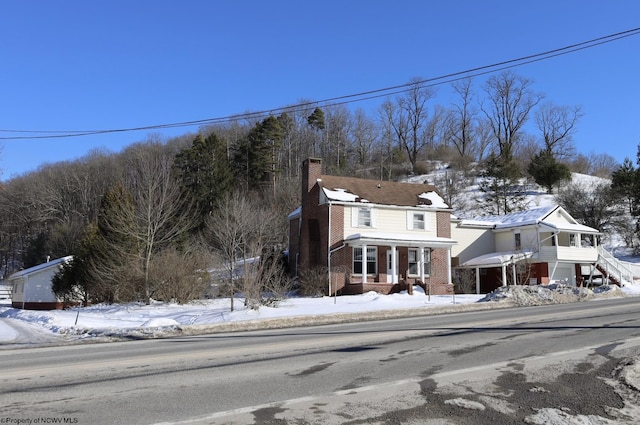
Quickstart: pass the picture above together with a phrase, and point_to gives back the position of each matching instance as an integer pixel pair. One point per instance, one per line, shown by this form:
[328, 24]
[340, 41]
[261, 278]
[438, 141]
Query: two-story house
[537, 246]
[370, 234]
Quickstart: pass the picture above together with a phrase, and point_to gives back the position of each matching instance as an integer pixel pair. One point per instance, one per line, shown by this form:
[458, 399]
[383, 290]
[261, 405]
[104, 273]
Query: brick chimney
[311, 172]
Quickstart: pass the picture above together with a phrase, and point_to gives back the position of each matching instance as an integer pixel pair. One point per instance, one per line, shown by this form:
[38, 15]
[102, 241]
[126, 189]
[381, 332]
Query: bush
[314, 282]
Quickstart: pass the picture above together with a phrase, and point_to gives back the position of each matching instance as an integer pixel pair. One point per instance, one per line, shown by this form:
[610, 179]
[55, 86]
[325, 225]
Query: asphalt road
[496, 366]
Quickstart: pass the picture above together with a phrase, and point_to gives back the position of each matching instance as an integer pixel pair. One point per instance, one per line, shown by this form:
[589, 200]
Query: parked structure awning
[497, 259]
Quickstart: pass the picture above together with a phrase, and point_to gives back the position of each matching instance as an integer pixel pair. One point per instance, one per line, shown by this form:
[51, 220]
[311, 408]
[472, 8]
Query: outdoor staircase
[612, 268]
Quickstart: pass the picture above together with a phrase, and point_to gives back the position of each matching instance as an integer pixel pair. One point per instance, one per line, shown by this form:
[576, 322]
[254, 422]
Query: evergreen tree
[501, 185]
[625, 181]
[255, 155]
[546, 171]
[74, 281]
[205, 173]
[316, 119]
[115, 263]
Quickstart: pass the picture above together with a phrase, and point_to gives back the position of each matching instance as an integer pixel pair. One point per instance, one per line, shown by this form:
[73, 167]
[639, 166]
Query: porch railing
[613, 268]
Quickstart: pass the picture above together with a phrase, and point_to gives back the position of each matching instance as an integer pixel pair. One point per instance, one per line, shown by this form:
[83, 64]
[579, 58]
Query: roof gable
[553, 216]
[41, 267]
[351, 189]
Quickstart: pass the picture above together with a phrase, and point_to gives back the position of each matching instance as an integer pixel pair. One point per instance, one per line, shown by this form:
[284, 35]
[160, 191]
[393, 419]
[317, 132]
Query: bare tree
[244, 231]
[364, 135]
[557, 125]
[409, 119]
[460, 124]
[510, 101]
[593, 204]
[227, 232]
[157, 217]
[602, 165]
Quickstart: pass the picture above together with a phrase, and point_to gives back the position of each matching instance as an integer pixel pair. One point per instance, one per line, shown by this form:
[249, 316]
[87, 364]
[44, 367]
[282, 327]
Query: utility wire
[340, 100]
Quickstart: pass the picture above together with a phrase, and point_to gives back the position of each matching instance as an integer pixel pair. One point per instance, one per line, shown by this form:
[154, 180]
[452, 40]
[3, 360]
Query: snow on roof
[496, 259]
[40, 267]
[295, 213]
[400, 238]
[435, 199]
[530, 217]
[520, 218]
[339, 195]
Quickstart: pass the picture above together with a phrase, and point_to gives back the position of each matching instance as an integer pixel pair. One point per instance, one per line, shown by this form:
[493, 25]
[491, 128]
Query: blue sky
[80, 65]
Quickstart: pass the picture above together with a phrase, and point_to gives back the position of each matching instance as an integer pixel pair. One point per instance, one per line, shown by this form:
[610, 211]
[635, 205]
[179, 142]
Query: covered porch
[500, 268]
[391, 263]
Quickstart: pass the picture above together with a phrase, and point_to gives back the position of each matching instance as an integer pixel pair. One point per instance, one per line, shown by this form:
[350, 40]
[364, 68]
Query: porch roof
[395, 239]
[573, 228]
[497, 259]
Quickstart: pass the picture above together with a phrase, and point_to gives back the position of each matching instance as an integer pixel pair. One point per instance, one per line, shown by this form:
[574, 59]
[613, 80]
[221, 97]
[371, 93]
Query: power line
[340, 100]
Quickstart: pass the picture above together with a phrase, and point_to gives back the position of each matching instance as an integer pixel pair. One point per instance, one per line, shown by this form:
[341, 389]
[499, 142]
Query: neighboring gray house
[31, 288]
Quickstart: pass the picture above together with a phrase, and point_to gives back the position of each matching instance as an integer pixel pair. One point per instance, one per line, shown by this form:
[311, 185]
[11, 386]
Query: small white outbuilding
[31, 288]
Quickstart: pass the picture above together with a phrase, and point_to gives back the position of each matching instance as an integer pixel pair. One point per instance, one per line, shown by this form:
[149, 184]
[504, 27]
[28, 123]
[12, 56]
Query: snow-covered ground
[28, 327]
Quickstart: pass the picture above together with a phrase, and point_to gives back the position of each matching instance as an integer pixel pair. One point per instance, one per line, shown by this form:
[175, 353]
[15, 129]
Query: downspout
[329, 251]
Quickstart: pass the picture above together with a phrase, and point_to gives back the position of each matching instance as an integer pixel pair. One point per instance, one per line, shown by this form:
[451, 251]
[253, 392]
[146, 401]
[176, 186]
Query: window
[418, 221]
[414, 261]
[518, 241]
[364, 217]
[572, 239]
[372, 260]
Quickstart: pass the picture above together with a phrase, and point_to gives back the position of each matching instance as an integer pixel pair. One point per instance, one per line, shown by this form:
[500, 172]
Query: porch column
[449, 280]
[364, 263]
[422, 265]
[478, 280]
[504, 275]
[394, 264]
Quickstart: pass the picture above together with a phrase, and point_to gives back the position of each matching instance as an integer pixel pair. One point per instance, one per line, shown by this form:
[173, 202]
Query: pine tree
[625, 181]
[205, 173]
[546, 171]
[501, 185]
[255, 155]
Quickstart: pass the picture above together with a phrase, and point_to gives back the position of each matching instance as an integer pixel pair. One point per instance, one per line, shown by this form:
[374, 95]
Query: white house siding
[472, 242]
[34, 288]
[557, 217]
[389, 221]
[505, 241]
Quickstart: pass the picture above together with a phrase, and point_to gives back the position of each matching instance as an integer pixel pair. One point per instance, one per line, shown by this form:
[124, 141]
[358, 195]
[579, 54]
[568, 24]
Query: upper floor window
[416, 220]
[518, 241]
[363, 217]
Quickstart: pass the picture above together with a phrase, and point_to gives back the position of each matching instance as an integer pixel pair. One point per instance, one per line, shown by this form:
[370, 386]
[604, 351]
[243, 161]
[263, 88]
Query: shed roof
[40, 267]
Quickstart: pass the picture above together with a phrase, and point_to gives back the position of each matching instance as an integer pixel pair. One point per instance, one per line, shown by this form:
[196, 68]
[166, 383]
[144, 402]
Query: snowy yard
[161, 319]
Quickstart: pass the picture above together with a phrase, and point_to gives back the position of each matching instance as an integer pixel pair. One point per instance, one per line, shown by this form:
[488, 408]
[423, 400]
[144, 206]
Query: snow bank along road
[552, 364]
